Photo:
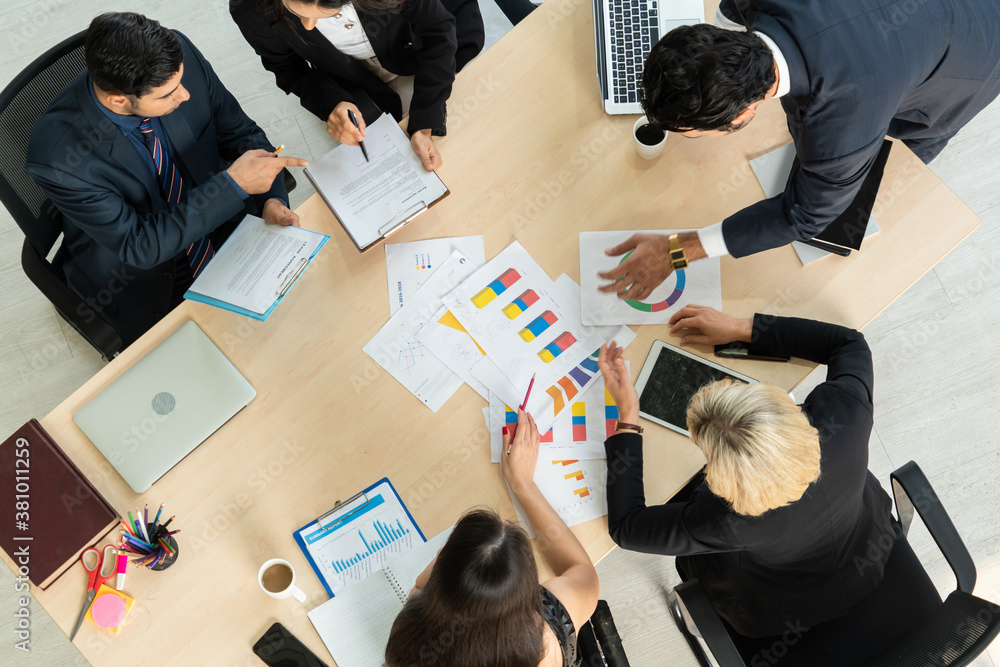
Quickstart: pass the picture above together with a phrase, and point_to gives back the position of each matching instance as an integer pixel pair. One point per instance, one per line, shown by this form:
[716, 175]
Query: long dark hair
[481, 606]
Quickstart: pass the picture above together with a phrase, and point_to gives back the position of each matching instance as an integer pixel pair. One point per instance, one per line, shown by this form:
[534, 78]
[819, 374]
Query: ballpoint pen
[513, 428]
[354, 119]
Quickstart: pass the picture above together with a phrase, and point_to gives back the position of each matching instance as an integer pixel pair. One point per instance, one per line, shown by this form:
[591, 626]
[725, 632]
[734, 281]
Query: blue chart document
[359, 537]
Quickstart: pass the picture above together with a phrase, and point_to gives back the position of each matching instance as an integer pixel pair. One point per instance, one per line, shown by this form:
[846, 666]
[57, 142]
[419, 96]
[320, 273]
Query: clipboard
[191, 295]
[375, 198]
[348, 513]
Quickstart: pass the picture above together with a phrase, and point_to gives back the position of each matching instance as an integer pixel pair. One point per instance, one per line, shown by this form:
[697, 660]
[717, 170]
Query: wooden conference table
[530, 156]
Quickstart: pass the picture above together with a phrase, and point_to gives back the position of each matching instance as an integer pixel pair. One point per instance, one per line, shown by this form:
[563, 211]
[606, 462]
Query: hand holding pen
[354, 119]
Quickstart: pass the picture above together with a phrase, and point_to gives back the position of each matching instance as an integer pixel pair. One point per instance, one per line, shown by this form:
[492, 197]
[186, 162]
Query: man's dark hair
[701, 77]
[130, 54]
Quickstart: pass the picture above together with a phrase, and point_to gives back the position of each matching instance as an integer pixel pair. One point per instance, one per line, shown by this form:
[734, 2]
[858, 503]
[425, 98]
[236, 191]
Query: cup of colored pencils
[149, 544]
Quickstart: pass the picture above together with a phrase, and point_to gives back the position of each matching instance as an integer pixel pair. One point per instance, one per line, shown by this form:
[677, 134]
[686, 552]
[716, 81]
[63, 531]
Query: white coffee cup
[647, 151]
[279, 578]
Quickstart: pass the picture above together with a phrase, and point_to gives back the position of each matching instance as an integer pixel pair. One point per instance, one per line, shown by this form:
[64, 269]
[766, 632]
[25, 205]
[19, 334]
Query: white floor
[935, 348]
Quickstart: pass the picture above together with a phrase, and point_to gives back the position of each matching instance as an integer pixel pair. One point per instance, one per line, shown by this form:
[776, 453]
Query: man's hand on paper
[423, 146]
[276, 213]
[649, 264]
[340, 127]
[255, 170]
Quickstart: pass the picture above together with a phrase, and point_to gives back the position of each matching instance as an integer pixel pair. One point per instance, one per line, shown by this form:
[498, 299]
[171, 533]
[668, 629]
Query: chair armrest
[913, 491]
[84, 319]
[694, 615]
[604, 629]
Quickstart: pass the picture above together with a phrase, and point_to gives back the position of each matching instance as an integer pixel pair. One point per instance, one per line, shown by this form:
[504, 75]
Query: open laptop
[625, 31]
[164, 406]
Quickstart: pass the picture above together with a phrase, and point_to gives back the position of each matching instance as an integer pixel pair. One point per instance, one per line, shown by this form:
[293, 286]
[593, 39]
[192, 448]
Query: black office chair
[902, 623]
[598, 640]
[21, 103]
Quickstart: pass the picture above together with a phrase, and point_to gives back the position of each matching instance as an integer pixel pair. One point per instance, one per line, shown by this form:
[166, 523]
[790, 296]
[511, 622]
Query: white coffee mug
[645, 150]
[289, 591]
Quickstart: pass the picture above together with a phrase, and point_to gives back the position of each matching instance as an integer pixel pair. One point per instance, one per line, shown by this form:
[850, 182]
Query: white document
[516, 313]
[408, 265]
[374, 198]
[577, 490]
[578, 432]
[448, 340]
[772, 170]
[700, 283]
[396, 347]
[355, 625]
[256, 264]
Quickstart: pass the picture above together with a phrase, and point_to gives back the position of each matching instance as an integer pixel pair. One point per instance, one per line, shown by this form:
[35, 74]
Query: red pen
[513, 427]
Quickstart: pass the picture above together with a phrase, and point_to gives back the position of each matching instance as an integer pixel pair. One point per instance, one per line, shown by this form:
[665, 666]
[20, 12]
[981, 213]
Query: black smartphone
[279, 648]
[742, 351]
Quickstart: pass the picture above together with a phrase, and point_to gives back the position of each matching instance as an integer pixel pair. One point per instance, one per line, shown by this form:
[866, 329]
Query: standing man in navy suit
[152, 163]
[847, 74]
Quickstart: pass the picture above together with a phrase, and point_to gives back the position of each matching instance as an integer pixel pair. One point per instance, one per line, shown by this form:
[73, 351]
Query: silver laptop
[163, 407]
[625, 31]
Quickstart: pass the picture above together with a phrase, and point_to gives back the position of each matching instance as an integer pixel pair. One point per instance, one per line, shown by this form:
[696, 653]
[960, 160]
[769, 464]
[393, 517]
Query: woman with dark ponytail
[479, 604]
[339, 56]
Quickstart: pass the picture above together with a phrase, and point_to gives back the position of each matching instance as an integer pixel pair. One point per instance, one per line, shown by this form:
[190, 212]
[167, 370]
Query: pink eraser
[108, 611]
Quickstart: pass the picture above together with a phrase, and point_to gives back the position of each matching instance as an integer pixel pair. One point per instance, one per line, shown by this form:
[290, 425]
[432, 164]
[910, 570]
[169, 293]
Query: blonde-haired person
[775, 524]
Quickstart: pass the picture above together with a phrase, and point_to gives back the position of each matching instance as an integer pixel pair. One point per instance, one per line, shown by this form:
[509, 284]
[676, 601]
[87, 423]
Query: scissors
[95, 564]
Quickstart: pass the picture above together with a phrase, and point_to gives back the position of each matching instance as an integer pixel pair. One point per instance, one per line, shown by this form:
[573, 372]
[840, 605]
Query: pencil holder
[169, 559]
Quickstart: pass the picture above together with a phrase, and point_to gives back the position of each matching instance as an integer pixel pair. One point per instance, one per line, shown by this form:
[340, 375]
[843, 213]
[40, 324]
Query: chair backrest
[21, 103]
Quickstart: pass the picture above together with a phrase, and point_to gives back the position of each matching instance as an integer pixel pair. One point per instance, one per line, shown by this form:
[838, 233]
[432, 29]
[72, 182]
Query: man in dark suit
[785, 524]
[152, 163]
[847, 73]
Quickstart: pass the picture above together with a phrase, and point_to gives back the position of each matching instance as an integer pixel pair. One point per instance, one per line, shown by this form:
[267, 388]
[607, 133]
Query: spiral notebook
[355, 624]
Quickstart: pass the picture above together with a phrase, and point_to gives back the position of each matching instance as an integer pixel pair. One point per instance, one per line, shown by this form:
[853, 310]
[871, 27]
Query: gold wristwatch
[622, 426]
[677, 256]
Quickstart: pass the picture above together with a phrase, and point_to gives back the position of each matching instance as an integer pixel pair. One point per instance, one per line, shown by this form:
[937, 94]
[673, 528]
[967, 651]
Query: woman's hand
[423, 145]
[715, 328]
[618, 383]
[340, 127]
[520, 454]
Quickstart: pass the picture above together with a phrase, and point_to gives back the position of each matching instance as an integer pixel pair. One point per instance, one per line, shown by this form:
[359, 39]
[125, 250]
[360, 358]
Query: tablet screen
[675, 378]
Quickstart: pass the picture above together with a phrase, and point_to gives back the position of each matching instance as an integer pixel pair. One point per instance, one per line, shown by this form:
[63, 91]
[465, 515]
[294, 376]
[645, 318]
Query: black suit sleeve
[237, 133]
[816, 194]
[435, 69]
[679, 528]
[844, 351]
[318, 92]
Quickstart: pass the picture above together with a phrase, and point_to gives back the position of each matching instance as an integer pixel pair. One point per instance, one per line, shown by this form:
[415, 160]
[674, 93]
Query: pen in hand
[279, 149]
[354, 119]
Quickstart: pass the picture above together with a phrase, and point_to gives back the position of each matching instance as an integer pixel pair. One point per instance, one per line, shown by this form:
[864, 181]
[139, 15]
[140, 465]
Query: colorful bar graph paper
[386, 534]
[577, 475]
[513, 309]
[568, 387]
[484, 296]
[565, 463]
[537, 326]
[556, 347]
[610, 413]
[583, 493]
[580, 422]
[547, 437]
[557, 399]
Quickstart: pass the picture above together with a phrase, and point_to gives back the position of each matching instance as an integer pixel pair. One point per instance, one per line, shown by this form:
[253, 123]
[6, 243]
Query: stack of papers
[494, 326]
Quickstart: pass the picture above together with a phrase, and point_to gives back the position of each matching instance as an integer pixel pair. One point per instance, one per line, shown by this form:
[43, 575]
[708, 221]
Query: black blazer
[803, 563]
[120, 236]
[859, 70]
[427, 39]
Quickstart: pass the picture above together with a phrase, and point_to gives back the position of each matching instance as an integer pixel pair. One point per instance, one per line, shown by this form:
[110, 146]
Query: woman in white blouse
[341, 56]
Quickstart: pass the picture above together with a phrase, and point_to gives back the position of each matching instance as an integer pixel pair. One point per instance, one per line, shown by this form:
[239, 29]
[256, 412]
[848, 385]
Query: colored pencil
[164, 526]
[125, 525]
[166, 546]
[156, 519]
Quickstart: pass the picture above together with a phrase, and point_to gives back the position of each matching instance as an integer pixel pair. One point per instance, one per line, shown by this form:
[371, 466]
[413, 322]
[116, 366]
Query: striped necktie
[172, 184]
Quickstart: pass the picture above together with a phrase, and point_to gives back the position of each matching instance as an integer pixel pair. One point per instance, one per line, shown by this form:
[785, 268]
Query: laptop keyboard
[633, 33]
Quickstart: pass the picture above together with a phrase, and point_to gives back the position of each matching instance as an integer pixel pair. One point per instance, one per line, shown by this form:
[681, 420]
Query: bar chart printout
[370, 533]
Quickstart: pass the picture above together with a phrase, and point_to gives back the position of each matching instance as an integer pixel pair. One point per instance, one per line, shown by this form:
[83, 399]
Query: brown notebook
[64, 513]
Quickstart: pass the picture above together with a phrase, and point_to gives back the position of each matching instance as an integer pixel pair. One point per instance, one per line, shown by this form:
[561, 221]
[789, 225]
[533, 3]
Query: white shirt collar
[784, 79]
